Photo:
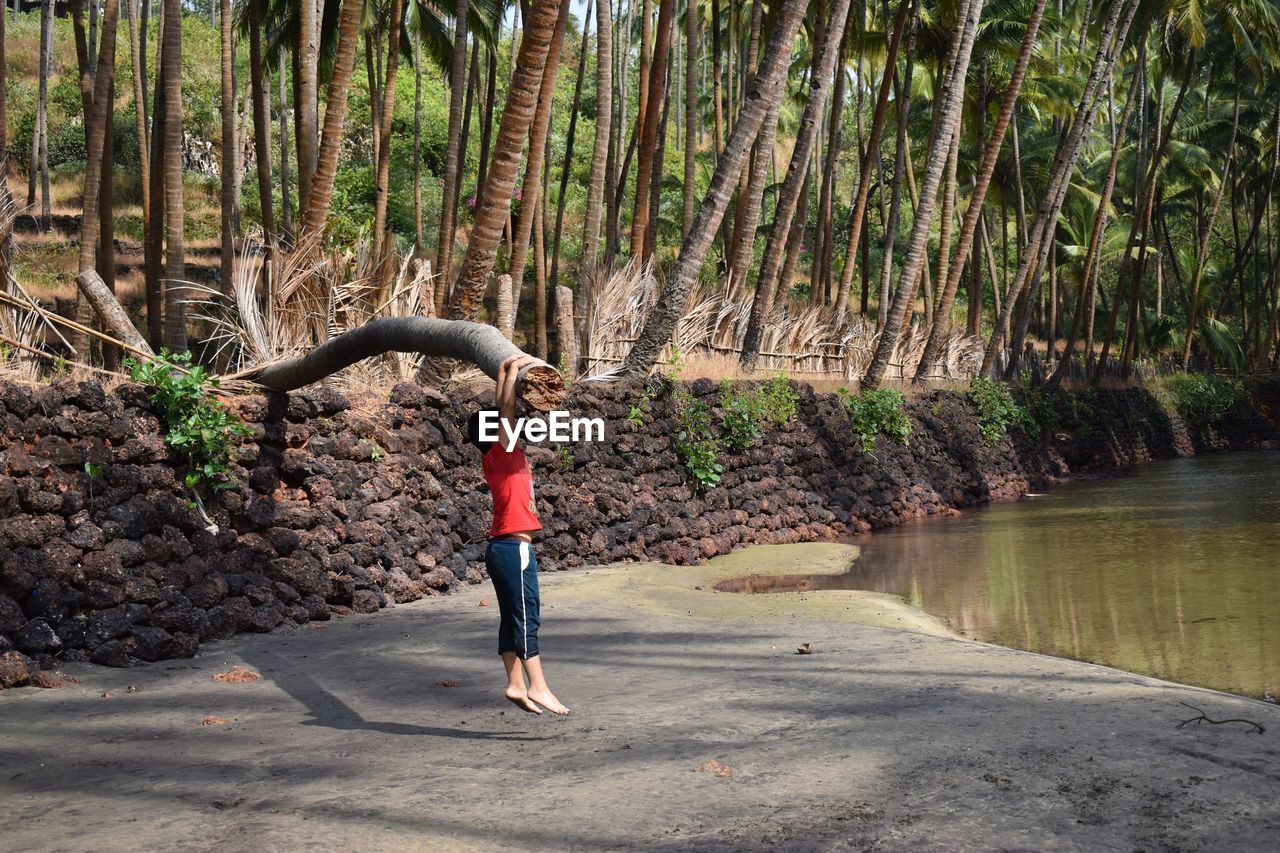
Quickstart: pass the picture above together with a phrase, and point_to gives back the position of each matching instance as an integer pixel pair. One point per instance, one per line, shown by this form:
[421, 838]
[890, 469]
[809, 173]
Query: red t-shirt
[511, 482]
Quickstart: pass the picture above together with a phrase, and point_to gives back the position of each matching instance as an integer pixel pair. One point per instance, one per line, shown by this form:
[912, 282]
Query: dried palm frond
[800, 339]
[283, 304]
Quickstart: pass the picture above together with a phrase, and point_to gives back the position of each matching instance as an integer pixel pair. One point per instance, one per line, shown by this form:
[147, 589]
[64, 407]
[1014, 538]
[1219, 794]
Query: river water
[1172, 571]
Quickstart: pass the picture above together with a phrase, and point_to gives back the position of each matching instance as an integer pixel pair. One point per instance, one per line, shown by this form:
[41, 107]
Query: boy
[509, 557]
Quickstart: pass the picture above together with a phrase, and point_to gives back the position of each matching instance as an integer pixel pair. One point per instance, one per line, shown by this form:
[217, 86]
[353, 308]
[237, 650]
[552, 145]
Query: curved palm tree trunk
[335, 115]
[453, 154]
[901, 165]
[793, 185]
[494, 202]
[949, 125]
[484, 346]
[871, 158]
[600, 151]
[986, 169]
[656, 96]
[539, 132]
[766, 88]
[1109, 44]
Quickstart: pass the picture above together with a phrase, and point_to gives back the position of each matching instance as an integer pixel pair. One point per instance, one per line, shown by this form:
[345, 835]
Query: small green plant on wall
[696, 444]
[878, 412]
[743, 413]
[197, 426]
[778, 400]
[997, 411]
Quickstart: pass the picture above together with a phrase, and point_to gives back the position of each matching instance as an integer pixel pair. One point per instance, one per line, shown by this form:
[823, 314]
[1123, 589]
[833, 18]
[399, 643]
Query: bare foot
[546, 699]
[521, 700]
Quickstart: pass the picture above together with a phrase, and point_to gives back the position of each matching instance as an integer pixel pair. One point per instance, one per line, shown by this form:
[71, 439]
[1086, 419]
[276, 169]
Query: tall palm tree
[308, 82]
[656, 97]
[227, 167]
[383, 177]
[982, 182]
[692, 43]
[948, 126]
[335, 115]
[797, 170]
[766, 88]
[539, 131]
[494, 202]
[453, 156]
[600, 150]
[175, 271]
[140, 110]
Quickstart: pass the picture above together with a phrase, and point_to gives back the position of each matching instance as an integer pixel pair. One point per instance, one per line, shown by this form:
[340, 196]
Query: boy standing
[509, 556]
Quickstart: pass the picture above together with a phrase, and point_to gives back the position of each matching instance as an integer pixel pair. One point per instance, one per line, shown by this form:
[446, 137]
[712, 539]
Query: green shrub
[778, 400]
[878, 412]
[1204, 400]
[997, 411]
[696, 445]
[743, 412]
[196, 425]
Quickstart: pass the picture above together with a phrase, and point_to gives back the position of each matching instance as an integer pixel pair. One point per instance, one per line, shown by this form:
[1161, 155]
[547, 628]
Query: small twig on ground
[1203, 718]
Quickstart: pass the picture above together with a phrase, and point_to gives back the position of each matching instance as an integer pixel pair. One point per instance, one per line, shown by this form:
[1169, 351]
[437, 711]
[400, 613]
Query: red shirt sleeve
[511, 482]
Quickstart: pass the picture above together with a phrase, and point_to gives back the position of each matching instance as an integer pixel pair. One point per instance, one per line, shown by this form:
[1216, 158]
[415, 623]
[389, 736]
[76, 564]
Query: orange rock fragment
[715, 768]
[213, 720]
[237, 675]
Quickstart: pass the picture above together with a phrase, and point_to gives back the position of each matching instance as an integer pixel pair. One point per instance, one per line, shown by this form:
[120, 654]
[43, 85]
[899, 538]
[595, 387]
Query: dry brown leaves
[715, 768]
[237, 675]
[213, 720]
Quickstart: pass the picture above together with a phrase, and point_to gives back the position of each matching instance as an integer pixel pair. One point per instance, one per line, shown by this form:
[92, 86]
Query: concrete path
[885, 738]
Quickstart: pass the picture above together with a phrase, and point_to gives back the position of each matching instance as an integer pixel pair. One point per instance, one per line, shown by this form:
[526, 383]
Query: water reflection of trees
[1170, 573]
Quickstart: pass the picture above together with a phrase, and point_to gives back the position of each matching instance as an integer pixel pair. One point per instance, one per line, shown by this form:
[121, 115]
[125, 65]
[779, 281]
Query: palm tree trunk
[765, 90]
[902, 110]
[794, 184]
[227, 165]
[97, 158]
[826, 195]
[153, 246]
[716, 74]
[531, 191]
[335, 115]
[308, 88]
[40, 146]
[691, 50]
[871, 158]
[1064, 161]
[1202, 257]
[568, 147]
[1084, 294]
[494, 202]
[600, 151]
[484, 346]
[106, 215]
[736, 252]
[139, 110]
[383, 179]
[175, 271]
[261, 121]
[948, 126]
[286, 202]
[655, 97]
[453, 154]
[982, 182]
[417, 148]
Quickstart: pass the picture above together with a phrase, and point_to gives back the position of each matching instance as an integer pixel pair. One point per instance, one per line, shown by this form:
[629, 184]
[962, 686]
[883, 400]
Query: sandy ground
[892, 735]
